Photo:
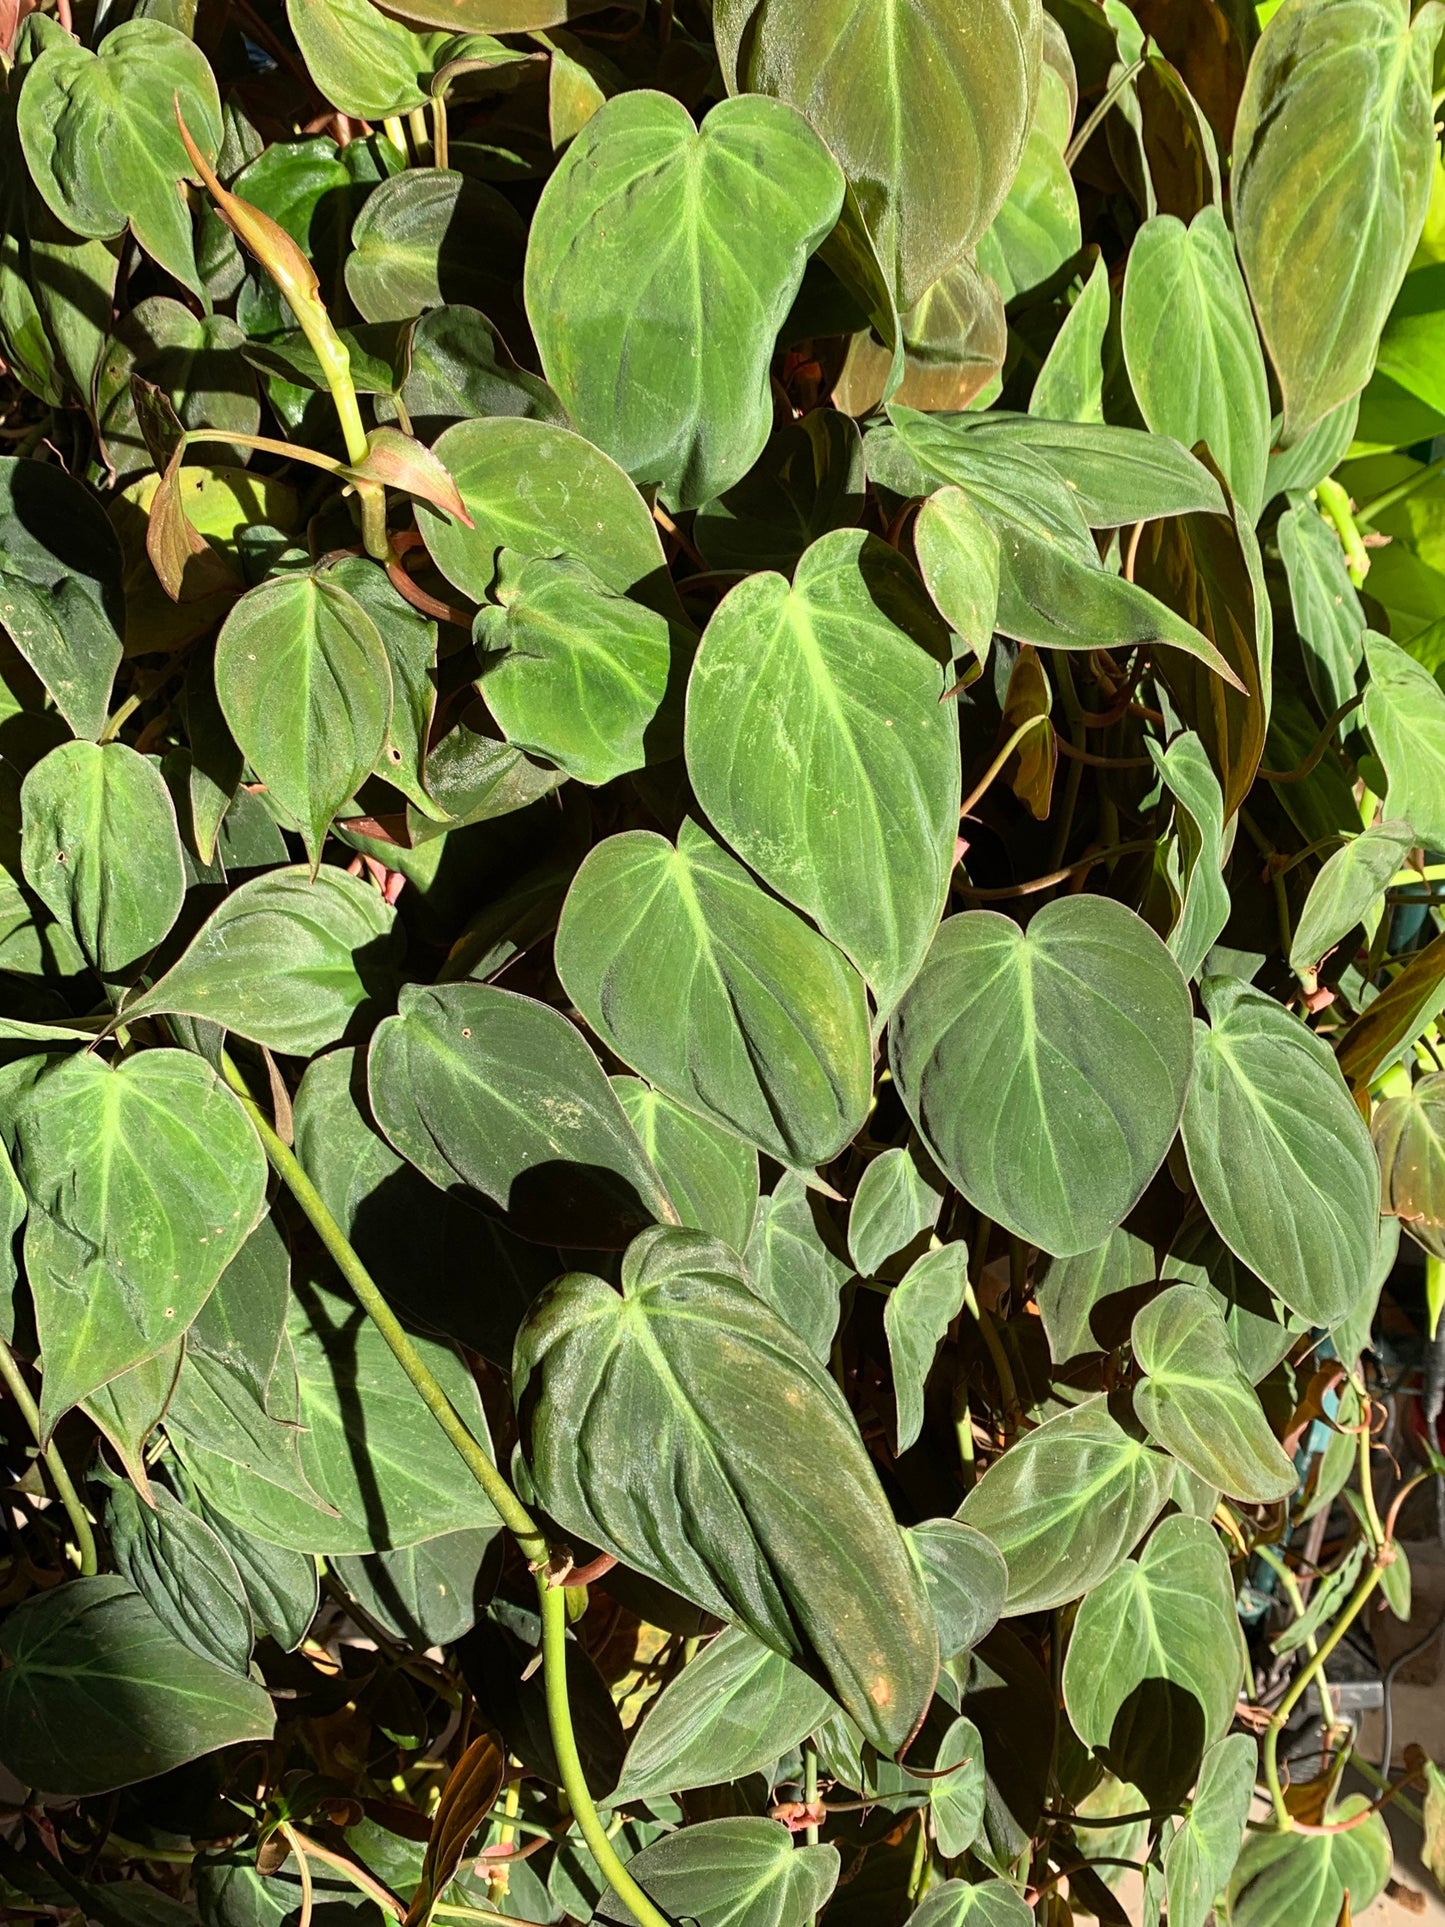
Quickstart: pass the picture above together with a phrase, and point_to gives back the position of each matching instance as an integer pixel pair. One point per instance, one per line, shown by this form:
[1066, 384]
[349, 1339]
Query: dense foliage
[722, 788]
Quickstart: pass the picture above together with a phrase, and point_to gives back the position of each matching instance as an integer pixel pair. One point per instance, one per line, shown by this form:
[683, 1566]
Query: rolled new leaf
[679, 1425]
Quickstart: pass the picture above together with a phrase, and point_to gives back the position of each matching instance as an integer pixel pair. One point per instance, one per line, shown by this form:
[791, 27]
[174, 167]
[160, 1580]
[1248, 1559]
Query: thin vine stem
[1086, 133]
[64, 1489]
[982, 787]
[508, 1507]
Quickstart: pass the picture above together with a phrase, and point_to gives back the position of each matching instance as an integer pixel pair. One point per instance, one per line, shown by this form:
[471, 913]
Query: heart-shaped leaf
[817, 744]
[1067, 1504]
[1198, 1403]
[898, 1198]
[97, 1694]
[724, 218]
[1409, 1138]
[486, 1089]
[123, 100]
[928, 112]
[1348, 889]
[763, 1024]
[144, 1178]
[744, 1872]
[100, 847]
[961, 1903]
[1279, 1155]
[688, 1358]
[1280, 1878]
[1046, 1069]
[967, 1581]
[1200, 1857]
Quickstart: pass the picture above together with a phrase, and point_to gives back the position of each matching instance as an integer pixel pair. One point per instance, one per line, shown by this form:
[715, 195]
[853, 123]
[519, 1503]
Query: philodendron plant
[722, 788]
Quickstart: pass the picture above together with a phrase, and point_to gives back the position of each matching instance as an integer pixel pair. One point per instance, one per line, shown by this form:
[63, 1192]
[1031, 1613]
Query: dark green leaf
[966, 1579]
[305, 684]
[733, 1873]
[958, 1903]
[98, 1694]
[1067, 1504]
[762, 1026]
[898, 1199]
[1047, 1069]
[734, 1710]
[122, 100]
[916, 1315]
[958, 554]
[459, 368]
[580, 675]
[797, 1262]
[710, 1175]
[288, 960]
[411, 248]
[426, 1594]
[688, 1358]
[144, 1179]
[184, 1574]
[1196, 857]
[1069, 1291]
[817, 743]
[61, 601]
[725, 218]
[1279, 1154]
[100, 847]
[495, 1092]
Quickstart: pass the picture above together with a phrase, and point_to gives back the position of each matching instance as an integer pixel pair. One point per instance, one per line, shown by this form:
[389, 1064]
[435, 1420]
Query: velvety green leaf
[290, 961]
[734, 1710]
[1053, 589]
[242, 1322]
[928, 113]
[305, 684]
[958, 555]
[371, 66]
[721, 219]
[1069, 1290]
[1335, 135]
[144, 1179]
[818, 746]
[1260, 1329]
[762, 1025]
[1165, 1620]
[122, 101]
[410, 249]
[127, 1409]
[956, 1800]
[710, 1175]
[1067, 1503]
[1348, 889]
[541, 491]
[1037, 229]
[439, 1259]
[1327, 613]
[1281, 1878]
[1409, 1138]
[1200, 1857]
[916, 1315]
[484, 1088]
[61, 601]
[98, 1694]
[574, 672]
[959, 1903]
[1278, 1153]
[459, 368]
[797, 1262]
[1070, 385]
[101, 849]
[1046, 1069]
[1196, 857]
[1405, 715]
[688, 1358]
[282, 1587]
[898, 1198]
[1193, 355]
[966, 1578]
[1317, 453]
[193, 359]
[808, 481]
[426, 1594]
[744, 1872]
[184, 1574]
[1198, 1403]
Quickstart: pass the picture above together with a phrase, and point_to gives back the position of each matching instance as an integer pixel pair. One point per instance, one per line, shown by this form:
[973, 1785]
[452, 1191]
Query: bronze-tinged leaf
[401, 461]
[467, 1797]
[954, 342]
[1201, 41]
[1206, 568]
[1032, 766]
[188, 567]
[1393, 1021]
[1409, 1134]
